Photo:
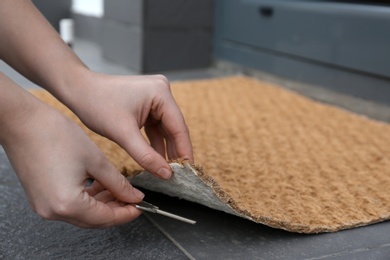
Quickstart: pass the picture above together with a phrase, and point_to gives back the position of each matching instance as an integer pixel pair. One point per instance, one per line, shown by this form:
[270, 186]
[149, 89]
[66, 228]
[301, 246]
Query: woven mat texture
[282, 159]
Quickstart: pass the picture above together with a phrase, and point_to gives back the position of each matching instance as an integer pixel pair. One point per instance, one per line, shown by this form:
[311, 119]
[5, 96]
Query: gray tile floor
[23, 235]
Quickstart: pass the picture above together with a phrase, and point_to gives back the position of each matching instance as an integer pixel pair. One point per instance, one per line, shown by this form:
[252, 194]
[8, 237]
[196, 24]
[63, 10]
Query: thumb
[111, 179]
[140, 150]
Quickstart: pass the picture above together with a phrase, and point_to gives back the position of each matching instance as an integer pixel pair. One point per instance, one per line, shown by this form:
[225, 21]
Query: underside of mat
[272, 156]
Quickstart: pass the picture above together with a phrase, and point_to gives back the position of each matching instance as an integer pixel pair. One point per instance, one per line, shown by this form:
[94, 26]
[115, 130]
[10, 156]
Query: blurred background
[340, 45]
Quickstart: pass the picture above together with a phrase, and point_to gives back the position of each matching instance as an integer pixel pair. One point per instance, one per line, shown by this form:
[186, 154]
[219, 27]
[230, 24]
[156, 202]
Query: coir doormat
[273, 157]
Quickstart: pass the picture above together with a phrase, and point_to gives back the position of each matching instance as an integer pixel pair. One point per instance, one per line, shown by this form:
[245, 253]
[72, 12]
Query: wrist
[17, 108]
[70, 88]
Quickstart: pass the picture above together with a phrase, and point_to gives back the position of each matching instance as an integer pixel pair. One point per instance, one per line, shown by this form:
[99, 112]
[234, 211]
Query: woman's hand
[118, 106]
[54, 158]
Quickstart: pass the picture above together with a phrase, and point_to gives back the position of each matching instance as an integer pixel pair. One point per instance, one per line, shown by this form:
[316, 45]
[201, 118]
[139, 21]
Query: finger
[139, 149]
[171, 150]
[175, 128]
[104, 196]
[179, 145]
[156, 139]
[94, 188]
[110, 178]
[95, 214]
[121, 215]
[116, 203]
[160, 140]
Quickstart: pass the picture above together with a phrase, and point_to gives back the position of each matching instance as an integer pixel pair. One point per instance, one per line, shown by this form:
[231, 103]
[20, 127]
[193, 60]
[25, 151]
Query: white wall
[88, 7]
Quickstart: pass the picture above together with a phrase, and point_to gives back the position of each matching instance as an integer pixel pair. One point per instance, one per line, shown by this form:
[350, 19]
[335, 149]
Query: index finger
[175, 130]
[96, 214]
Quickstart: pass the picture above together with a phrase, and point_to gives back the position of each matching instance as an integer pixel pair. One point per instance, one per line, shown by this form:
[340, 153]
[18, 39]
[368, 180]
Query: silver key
[145, 206]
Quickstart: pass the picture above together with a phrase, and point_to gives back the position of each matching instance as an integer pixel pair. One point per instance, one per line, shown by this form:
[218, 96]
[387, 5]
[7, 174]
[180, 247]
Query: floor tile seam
[166, 233]
[350, 252]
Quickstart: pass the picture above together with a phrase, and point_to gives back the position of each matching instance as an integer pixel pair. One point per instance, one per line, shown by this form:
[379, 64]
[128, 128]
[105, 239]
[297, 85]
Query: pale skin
[51, 155]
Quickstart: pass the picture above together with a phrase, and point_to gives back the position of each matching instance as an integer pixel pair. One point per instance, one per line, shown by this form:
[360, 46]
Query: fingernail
[138, 194]
[164, 173]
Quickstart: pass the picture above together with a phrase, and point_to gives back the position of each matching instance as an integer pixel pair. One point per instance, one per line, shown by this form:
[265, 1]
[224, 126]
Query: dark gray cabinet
[158, 35]
[331, 43]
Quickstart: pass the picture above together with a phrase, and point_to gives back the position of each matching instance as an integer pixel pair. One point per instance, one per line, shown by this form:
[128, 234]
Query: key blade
[145, 206]
[170, 215]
